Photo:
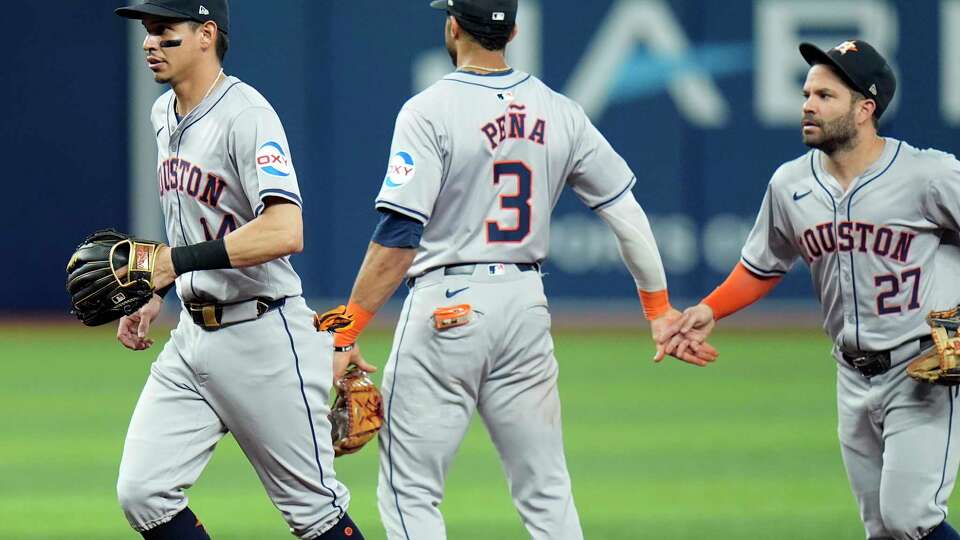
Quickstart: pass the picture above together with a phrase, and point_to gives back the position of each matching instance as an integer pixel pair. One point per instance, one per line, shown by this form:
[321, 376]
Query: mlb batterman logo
[400, 170]
[271, 159]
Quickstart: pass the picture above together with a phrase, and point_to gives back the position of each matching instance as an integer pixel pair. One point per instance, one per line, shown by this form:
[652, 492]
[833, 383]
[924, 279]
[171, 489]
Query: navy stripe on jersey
[836, 226]
[833, 202]
[493, 74]
[527, 78]
[313, 431]
[863, 185]
[225, 92]
[183, 230]
[853, 270]
[281, 193]
[754, 269]
[409, 212]
[389, 432]
[170, 128]
[946, 453]
[616, 197]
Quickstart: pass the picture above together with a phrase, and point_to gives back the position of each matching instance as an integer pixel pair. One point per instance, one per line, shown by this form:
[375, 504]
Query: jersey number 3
[519, 201]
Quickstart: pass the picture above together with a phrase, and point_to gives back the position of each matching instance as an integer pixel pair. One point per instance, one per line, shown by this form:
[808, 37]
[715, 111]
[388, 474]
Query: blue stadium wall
[702, 98]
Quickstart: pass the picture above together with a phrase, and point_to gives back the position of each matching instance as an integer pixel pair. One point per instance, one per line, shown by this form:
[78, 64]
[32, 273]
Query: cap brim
[439, 4]
[144, 10]
[815, 55]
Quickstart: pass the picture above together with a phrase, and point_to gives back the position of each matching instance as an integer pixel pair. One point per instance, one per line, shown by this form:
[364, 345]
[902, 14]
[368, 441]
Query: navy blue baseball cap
[490, 17]
[200, 11]
[860, 66]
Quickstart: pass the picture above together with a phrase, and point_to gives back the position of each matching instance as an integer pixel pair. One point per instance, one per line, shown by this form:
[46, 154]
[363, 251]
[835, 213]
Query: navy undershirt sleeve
[396, 230]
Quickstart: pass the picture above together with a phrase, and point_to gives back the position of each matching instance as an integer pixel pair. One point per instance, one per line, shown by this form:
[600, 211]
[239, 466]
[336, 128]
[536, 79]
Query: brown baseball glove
[357, 412]
[940, 365]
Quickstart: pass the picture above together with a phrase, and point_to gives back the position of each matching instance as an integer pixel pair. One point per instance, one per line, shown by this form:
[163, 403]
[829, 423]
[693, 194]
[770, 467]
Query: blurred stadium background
[701, 97]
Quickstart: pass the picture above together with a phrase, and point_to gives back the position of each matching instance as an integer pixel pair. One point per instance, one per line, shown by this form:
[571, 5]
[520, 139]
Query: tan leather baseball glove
[940, 365]
[357, 412]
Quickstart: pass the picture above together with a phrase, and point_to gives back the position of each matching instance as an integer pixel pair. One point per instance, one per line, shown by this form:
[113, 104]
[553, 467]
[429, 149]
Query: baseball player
[244, 357]
[477, 163]
[869, 216]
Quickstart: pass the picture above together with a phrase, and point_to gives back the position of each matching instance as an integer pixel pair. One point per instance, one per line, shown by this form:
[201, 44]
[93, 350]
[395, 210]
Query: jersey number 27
[892, 282]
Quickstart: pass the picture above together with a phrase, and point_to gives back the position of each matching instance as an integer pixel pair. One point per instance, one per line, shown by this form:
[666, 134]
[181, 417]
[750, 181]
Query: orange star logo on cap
[846, 47]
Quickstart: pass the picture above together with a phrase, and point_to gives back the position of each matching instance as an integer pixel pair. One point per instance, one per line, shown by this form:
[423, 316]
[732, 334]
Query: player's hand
[689, 333]
[690, 347]
[133, 329]
[343, 360]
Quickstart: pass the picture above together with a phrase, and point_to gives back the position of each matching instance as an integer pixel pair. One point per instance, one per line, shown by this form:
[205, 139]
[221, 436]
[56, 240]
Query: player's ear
[514, 32]
[207, 33]
[454, 27]
[866, 108]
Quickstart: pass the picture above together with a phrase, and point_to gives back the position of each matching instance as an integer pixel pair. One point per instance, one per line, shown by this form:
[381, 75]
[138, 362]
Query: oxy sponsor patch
[400, 170]
[271, 159]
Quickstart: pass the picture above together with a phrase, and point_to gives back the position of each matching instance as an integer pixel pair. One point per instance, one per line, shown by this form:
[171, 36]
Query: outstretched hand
[683, 336]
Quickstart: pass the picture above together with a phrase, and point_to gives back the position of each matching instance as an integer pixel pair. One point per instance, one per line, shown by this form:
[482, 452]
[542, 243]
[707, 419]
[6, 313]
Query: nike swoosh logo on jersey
[451, 294]
[798, 196]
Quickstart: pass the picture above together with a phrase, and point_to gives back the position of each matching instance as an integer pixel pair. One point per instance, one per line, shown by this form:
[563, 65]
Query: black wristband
[210, 255]
[163, 292]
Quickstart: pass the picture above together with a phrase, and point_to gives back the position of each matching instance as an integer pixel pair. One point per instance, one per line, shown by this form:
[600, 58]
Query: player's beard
[835, 135]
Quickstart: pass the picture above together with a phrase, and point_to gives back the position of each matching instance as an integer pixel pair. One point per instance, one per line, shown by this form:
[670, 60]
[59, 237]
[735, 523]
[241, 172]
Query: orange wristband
[655, 303]
[361, 318]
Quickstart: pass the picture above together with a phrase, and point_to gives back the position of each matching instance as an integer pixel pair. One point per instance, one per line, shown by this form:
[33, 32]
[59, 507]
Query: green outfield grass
[744, 449]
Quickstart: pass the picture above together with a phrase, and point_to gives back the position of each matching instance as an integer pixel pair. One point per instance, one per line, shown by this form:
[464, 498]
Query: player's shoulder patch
[272, 159]
[401, 169]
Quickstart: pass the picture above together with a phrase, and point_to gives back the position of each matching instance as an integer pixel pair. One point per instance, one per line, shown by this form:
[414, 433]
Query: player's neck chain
[220, 77]
[471, 67]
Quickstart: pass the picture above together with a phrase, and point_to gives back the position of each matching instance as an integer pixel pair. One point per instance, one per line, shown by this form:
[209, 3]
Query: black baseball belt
[468, 269]
[217, 316]
[871, 364]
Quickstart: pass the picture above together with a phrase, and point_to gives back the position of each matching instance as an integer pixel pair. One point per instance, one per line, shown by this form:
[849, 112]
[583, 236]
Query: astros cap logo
[846, 47]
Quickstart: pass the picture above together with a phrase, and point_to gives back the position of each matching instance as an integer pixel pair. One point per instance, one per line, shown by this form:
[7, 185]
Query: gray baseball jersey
[870, 249]
[213, 181]
[266, 380]
[483, 159]
[882, 254]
